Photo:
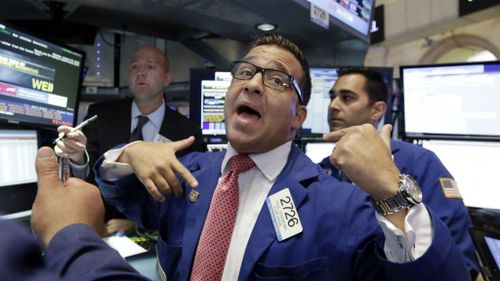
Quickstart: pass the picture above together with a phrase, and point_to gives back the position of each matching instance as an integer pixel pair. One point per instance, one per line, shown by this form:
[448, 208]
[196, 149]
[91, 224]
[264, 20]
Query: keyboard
[145, 242]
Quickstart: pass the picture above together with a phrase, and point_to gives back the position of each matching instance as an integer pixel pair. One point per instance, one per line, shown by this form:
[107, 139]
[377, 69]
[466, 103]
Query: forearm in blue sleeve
[78, 253]
[130, 197]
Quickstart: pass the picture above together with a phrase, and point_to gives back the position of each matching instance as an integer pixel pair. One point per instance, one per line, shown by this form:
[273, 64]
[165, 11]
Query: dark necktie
[137, 132]
[216, 235]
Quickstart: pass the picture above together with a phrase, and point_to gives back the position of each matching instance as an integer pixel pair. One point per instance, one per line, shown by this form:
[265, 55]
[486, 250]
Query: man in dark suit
[149, 75]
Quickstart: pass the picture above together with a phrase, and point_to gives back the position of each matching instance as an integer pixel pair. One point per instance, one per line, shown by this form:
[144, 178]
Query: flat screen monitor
[354, 14]
[473, 165]
[39, 80]
[458, 101]
[322, 80]
[208, 93]
[18, 177]
[487, 243]
[316, 151]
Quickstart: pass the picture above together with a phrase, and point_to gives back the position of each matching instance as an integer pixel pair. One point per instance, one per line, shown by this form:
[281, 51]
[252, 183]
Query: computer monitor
[18, 177]
[472, 164]
[39, 80]
[354, 15]
[208, 93]
[322, 80]
[487, 244]
[316, 151]
[453, 101]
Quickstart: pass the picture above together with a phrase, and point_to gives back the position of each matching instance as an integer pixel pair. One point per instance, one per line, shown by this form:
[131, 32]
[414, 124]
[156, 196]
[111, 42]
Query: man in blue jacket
[288, 220]
[358, 97]
[67, 227]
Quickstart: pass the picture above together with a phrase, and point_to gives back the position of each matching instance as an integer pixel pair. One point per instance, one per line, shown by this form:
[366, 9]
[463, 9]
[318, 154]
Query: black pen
[83, 124]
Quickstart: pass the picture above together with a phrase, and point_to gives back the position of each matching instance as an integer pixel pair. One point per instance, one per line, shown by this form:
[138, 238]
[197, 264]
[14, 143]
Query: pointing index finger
[335, 135]
[185, 174]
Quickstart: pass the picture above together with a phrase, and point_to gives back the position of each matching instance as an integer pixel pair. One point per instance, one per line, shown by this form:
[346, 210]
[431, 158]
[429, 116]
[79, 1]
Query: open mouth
[246, 110]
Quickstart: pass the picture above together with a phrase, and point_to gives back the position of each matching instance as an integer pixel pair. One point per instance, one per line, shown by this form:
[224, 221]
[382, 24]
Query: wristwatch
[408, 195]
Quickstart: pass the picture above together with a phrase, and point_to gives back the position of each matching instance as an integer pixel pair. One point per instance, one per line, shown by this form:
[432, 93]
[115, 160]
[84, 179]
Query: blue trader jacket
[75, 253]
[341, 239]
[427, 169]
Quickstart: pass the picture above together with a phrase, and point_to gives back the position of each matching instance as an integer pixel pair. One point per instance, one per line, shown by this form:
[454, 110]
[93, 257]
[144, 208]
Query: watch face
[413, 189]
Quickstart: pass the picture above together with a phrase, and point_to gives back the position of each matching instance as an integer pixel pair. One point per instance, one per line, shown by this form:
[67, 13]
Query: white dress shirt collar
[155, 117]
[269, 163]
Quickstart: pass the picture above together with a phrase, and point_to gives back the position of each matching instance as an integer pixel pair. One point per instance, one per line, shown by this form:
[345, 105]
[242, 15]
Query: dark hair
[285, 43]
[374, 86]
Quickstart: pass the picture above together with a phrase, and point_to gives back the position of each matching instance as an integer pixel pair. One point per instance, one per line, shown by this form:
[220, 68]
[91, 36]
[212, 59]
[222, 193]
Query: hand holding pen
[72, 130]
[71, 144]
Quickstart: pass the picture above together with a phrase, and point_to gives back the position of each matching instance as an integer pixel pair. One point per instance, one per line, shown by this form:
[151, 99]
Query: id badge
[161, 139]
[286, 220]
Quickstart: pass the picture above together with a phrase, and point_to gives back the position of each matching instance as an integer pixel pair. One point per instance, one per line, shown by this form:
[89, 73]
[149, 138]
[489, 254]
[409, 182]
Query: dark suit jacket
[112, 128]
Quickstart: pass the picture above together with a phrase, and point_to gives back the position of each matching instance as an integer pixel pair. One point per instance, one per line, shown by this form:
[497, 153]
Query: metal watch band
[391, 205]
[395, 203]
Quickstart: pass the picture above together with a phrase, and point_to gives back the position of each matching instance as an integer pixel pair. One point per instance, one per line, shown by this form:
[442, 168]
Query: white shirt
[254, 187]
[153, 126]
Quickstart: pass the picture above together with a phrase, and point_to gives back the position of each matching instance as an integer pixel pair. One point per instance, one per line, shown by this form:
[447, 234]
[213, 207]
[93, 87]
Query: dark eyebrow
[274, 64]
[345, 91]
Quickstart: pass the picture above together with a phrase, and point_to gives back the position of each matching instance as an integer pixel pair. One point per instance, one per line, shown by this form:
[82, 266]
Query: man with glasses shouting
[262, 210]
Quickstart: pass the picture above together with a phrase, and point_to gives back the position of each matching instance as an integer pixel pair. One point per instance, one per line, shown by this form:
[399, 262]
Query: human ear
[300, 116]
[377, 111]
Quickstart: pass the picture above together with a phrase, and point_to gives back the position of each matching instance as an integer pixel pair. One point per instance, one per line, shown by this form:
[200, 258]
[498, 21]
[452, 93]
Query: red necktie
[216, 235]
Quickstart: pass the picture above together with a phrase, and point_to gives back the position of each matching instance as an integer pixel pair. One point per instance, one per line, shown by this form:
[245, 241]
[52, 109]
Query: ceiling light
[266, 27]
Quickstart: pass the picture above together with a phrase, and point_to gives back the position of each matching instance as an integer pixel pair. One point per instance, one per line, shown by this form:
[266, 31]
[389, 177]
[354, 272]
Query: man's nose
[255, 84]
[334, 103]
[141, 72]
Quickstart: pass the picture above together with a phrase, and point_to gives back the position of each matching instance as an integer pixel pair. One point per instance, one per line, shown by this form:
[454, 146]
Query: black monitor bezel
[488, 263]
[80, 79]
[345, 27]
[426, 135]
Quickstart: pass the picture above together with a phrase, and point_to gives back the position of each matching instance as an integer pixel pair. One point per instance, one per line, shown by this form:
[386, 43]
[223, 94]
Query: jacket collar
[298, 172]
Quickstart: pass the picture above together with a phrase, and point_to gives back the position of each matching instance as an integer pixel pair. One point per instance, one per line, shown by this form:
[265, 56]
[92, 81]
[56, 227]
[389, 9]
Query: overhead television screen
[39, 80]
[355, 14]
[455, 101]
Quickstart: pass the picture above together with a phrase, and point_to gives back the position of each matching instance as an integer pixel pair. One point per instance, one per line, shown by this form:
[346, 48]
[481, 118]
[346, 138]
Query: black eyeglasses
[272, 78]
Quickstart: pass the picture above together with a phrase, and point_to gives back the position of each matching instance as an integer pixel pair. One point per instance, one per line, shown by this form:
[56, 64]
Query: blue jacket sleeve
[75, 253]
[78, 253]
[427, 169]
[130, 197]
[442, 261]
